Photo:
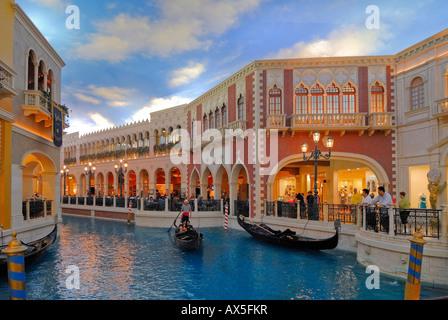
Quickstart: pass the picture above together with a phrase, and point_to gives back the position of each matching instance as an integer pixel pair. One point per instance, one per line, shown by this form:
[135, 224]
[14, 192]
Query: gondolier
[186, 211]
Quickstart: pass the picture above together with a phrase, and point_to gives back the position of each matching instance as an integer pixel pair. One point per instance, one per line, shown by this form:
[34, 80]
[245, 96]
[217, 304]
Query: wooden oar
[258, 225]
[174, 221]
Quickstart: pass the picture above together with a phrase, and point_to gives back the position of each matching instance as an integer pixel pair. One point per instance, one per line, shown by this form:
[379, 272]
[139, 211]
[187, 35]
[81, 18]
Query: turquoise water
[117, 261]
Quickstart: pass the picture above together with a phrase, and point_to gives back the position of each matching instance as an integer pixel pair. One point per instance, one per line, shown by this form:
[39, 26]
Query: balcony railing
[380, 121]
[238, 124]
[36, 103]
[276, 121]
[441, 109]
[6, 81]
[332, 120]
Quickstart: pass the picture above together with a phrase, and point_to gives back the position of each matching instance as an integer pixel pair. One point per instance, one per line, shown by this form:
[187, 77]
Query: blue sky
[129, 58]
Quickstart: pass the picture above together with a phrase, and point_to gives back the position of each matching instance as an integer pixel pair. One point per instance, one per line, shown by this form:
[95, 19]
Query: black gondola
[34, 249]
[189, 240]
[287, 238]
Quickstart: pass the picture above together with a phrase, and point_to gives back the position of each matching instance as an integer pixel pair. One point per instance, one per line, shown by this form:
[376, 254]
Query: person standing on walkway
[356, 198]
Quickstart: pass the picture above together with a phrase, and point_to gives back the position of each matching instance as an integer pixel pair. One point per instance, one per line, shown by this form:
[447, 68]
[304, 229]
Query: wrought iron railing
[344, 212]
[33, 209]
[242, 207]
[407, 222]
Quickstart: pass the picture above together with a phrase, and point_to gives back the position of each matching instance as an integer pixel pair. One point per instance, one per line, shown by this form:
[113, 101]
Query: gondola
[287, 238]
[34, 249]
[189, 240]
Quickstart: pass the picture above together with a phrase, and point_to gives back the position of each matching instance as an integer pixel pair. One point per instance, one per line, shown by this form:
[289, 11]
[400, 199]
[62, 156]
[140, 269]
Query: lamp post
[121, 172]
[64, 174]
[90, 171]
[316, 154]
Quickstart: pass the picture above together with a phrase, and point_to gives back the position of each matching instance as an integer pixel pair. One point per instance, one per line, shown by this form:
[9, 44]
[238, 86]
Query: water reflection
[117, 261]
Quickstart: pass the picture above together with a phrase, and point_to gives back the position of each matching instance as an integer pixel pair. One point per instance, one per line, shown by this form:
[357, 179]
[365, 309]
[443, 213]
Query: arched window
[241, 109]
[417, 94]
[377, 98]
[211, 120]
[275, 100]
[224, 114]
[348, 99]
[205, 122]
[31, 70]
[50, 81]
[217, 118]
[301, 95]
[317, 99]
[332, 99]
[40, 78]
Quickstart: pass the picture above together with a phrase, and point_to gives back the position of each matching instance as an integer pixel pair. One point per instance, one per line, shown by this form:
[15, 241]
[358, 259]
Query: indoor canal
[96, 259]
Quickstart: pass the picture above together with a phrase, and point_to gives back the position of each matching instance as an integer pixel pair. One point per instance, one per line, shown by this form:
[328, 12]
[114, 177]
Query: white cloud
[48, 3]
[187, 74]
[85, 98]
[348, 40]
[94, 122]
[157, 104]
[112, 96]
[182, 26]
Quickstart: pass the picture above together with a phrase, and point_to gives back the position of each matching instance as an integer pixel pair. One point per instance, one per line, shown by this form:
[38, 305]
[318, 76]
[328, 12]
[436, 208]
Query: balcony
[341, 122]
[441, 110]
[380, 121]
[278, 122]
[238, 124]
[38, 104]
[7, 75]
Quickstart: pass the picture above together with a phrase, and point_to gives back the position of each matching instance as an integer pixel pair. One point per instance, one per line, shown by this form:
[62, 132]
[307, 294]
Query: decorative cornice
[116, 128]
[21, 16]
[431, 42]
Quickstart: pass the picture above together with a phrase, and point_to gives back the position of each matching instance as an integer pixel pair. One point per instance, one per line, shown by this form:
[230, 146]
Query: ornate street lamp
[316, 154]
[64, 174]
[121, 172]
[89, 171]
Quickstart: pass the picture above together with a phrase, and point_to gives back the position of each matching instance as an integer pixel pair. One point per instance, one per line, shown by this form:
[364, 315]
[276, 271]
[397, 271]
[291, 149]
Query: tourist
[301, 204]
[356, 198]
[402, 205]
[189, 226]
[182, 228]
[366, 199]
[186, 211]
[383, 198]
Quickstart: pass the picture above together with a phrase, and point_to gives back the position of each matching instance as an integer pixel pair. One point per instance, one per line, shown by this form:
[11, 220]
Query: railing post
[358, 215]
[325, 211]
[276, 208]
[364, 222]
[391, 220]
[196, 205]
[298, 209]
[114, 204]
[443, 221]
[166, 205]
[28, 209]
